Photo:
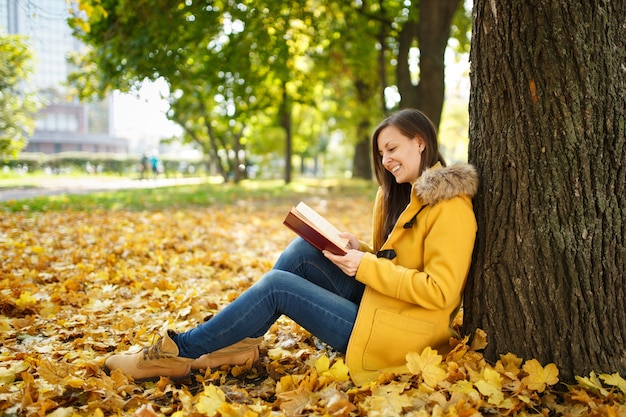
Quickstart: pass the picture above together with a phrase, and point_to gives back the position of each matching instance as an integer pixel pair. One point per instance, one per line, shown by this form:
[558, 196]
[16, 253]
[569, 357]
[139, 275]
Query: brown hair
[411, 123]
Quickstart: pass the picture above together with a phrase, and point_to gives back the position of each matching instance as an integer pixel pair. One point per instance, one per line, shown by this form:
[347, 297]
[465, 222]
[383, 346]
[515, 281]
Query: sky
[141, 117]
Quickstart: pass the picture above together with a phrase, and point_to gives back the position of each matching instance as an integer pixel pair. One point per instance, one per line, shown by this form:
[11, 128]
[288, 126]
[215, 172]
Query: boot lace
[155, 351]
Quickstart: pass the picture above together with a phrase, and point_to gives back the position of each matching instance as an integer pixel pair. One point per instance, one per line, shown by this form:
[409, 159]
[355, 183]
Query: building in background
[64, 124]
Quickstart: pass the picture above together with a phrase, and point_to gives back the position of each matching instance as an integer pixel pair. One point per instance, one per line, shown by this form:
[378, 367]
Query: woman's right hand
[348, 263]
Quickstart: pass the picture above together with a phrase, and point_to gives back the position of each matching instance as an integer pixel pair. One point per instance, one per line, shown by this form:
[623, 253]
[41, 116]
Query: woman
[375, 304]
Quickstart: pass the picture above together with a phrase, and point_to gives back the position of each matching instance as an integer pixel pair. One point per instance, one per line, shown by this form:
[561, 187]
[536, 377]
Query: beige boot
[236, 354]
[160, 359]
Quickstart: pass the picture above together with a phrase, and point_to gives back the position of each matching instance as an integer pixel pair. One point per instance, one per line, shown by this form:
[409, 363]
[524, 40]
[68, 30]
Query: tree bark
[362, 165]
[361, 161]
[547, 124]
[285, 123]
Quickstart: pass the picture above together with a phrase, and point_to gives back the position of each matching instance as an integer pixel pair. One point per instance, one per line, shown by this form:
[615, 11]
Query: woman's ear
[420, 143]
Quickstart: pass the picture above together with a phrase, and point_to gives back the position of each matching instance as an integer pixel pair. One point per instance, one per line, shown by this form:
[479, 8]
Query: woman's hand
[348, 263]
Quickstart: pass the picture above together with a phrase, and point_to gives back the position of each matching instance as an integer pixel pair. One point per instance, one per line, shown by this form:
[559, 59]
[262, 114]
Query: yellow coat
[410, 300]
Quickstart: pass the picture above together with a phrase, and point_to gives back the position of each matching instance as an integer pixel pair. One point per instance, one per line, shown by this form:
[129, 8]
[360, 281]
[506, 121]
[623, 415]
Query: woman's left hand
[348, 263]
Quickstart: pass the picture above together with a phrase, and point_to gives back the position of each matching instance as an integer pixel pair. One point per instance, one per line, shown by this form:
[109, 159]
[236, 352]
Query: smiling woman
[407, 145]
[374, 303]
[401, 155]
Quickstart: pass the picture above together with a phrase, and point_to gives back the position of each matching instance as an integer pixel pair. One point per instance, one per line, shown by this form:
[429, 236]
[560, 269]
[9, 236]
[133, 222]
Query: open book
[315, 229]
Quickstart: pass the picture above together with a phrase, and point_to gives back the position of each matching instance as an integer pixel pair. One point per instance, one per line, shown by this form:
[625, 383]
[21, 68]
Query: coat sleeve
[432, 274]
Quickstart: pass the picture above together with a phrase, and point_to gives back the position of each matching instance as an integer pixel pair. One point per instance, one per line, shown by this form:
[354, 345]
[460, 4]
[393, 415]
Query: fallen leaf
[427, 364]
[92, 284]
[538, 376]
[593, 383]
[8, 375]
[616, 380]
[491, 386]
[26, 300]
[210, 400]
[338, 371]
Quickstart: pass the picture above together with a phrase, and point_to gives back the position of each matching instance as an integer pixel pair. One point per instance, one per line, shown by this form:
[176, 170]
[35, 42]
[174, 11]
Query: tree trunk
[547, 124]
[239, 164]
[431, 33]
[285, 122]
[361, 161]
[362, 166]
[209, 149]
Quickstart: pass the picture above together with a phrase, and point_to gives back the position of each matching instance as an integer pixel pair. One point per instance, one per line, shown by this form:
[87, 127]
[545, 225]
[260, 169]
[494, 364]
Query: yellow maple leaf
[25, 300]
[615, 380]
[509, 364]
[592, 383]
[387, 400]
[288, 383]
[322, 364]
[338, 371]
[465, 389]
[278, 353]
[7, 376]
[210, 401]
[5, 324]
[428, 365]
[53, 372]
[538, 376]
[490, 385]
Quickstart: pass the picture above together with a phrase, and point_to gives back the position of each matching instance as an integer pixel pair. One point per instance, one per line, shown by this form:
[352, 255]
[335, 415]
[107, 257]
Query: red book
[315, 229]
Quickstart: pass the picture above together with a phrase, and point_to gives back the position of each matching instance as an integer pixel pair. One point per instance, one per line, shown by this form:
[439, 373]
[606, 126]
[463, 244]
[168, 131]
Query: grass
[183, 196]
[34, 179]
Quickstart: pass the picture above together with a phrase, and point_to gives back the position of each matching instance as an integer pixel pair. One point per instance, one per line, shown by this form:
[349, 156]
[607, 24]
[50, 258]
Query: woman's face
[400, 154]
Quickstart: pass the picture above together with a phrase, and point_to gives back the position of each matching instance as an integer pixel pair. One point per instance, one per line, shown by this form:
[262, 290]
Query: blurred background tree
[247, 74]
[18, 102]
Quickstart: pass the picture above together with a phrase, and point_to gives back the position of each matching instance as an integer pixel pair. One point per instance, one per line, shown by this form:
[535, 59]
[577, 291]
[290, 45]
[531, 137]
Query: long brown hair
[411, 123]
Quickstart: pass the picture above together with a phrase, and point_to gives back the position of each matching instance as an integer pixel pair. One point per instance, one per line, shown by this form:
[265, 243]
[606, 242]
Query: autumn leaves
[76, 286]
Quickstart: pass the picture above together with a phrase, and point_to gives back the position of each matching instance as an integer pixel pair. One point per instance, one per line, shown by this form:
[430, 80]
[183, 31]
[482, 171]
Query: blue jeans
[303, 285]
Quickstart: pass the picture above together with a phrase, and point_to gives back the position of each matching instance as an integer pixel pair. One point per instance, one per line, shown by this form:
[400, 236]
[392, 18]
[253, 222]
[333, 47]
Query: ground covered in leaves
[78, 286]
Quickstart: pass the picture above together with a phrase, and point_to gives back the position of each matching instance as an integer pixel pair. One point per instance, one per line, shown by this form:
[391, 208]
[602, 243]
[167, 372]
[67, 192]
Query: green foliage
[17, 104]
[461, 29]
[221, 75]
[238, 69]
[25, 161]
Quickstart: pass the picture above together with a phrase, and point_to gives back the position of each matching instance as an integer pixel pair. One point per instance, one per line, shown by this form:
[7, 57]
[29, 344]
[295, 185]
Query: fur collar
[442, 183]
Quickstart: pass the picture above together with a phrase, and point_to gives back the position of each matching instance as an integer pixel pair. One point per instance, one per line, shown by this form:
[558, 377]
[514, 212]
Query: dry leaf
[428, 365]
[538, 376]
[76, 287]
[210, 400]
[593, 383]
[491, 386]
[616, 380]
[338, 371]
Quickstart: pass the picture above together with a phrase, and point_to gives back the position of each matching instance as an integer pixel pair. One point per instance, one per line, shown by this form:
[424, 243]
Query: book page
[321, 224]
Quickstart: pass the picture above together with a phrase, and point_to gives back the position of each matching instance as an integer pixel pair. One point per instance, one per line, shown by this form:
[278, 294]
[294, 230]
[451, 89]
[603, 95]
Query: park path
[86, 185]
